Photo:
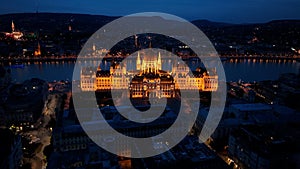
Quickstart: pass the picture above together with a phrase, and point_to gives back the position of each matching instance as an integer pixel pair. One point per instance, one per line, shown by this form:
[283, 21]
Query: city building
[148, 78]
[245, 111]
[72, 137]
[5, 77]
[11, 149]
[189, 153]
[238, 115]
[24, 103]
[76, 148]
[151, 81]
[87, 79]
[91, 157]
[254, 147]
[219, 138]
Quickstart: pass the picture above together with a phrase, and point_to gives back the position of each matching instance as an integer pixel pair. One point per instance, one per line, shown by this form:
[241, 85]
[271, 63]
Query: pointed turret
[99, 68]
[37, 52]
[12, 26]
[136, 41]
[124, 68]
[159, 62]
[138, 62]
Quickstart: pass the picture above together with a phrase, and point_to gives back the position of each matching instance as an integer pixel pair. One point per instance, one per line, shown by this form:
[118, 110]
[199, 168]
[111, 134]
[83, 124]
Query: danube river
[244, 69]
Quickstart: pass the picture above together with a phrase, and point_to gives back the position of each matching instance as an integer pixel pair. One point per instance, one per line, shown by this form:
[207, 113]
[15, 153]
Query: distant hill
[53, 21]
[282, 34]
[207, 23]
[86, 22]
[274, 36]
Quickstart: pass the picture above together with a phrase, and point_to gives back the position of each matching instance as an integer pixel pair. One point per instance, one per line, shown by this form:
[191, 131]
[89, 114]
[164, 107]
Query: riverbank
[120, 58]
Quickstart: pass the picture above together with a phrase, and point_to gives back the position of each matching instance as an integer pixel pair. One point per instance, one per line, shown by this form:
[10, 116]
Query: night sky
[233, 11]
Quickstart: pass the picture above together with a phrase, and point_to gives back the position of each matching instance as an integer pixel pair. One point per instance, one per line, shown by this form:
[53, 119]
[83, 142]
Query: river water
[244, 69]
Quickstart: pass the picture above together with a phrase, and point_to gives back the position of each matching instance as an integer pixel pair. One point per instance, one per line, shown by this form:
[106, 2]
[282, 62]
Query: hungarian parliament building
[148, 80]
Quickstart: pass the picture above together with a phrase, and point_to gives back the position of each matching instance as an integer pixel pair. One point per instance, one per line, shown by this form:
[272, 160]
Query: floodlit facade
[17, 35]
[149, 79]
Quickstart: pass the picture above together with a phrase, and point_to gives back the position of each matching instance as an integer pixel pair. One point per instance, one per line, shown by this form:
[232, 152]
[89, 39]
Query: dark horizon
[219, 11]
[192, 20]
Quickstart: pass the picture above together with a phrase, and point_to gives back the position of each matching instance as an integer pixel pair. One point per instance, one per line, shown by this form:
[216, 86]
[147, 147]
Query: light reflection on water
[247, 70]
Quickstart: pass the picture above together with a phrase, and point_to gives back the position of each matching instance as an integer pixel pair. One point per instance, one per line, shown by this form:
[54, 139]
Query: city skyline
[150, 92]
[216, 10]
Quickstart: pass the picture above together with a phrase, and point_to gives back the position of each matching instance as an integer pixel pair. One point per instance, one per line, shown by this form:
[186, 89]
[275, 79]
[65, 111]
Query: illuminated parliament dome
[148, 80]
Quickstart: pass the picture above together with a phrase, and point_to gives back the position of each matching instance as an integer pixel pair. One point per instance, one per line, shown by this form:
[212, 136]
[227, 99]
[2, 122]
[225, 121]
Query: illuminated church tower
[37, 52]
[15, 34]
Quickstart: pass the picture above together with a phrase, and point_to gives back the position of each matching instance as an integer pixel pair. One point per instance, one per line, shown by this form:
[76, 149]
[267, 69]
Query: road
[42, 133]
